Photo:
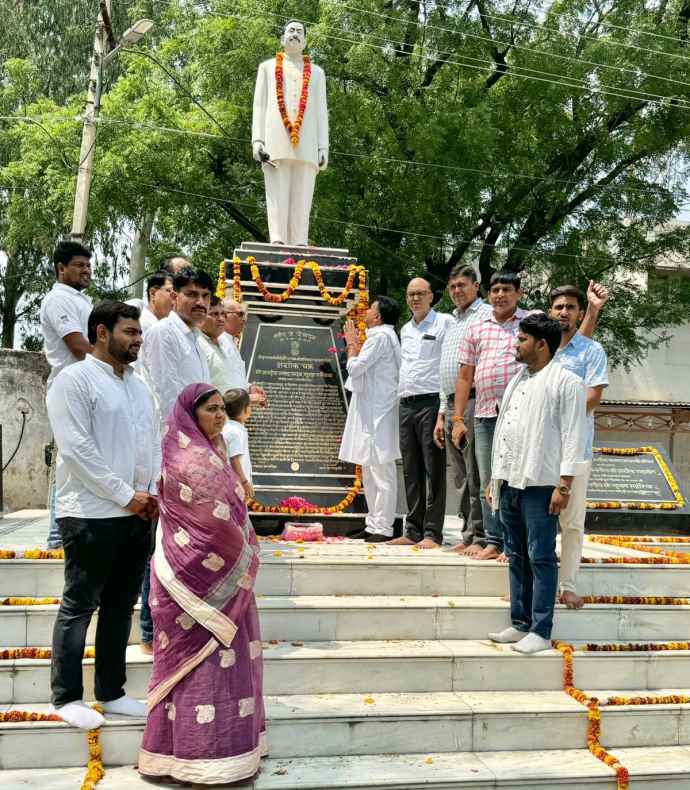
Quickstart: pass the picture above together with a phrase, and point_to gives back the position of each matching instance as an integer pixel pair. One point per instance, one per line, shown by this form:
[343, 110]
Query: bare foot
[146, 648]
[459, 549]
[489, 553]
[401, 541]
[427, 543]
[474, 550]
[571, 600]
[502, 558]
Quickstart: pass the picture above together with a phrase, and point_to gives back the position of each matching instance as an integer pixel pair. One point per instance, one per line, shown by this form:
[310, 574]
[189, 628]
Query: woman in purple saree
[206, 716]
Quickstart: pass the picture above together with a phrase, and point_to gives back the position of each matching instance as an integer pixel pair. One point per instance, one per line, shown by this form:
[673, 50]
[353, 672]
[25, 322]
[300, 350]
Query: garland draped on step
[662, 556]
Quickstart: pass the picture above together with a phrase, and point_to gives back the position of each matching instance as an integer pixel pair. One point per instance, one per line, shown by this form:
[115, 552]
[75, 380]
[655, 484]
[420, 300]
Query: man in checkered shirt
[487, 359]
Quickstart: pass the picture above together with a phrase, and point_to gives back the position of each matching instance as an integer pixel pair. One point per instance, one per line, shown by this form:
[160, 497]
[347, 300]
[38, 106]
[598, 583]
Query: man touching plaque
[290, 135]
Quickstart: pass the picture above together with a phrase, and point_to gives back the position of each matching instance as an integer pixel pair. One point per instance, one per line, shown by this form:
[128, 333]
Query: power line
[599, 39]
[512, 45]
[489, 65]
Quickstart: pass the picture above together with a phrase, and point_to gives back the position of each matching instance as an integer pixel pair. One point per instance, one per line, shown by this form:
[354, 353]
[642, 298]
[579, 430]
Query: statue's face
[294, 38]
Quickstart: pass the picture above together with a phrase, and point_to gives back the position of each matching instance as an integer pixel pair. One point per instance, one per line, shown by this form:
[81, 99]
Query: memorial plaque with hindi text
[628, 478]
[300, 431]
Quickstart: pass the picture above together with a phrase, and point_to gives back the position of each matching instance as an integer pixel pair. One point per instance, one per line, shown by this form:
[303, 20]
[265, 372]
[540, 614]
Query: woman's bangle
[455, 418]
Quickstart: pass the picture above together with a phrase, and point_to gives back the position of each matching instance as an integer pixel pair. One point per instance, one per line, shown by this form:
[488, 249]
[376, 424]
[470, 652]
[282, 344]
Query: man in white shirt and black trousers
[537, 451]
[106, 428]
[424, 462]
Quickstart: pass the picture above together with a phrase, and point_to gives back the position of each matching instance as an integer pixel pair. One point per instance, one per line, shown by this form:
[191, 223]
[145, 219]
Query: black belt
[471, 396]
[425, 397]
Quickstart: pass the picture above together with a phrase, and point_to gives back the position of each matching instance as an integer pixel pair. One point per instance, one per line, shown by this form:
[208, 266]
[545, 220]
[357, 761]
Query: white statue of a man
[290, 135]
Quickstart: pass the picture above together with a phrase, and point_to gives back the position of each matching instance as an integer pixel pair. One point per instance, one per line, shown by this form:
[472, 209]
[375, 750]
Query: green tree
[547, 138]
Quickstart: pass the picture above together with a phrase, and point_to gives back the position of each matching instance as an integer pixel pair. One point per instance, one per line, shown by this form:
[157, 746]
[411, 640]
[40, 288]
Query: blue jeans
[484, 428]
[145, 619]
[530, 535]
[54, 536]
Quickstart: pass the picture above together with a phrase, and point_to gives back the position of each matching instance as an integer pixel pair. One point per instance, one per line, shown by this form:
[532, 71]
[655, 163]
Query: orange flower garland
[29, 601]
[344, 503]
[644, 600]
[15, 653]
[236, 279]
[33, 554]
[94, 768]
[634, 647]
[220, 288]
[18, 716]
[630, 542]
[292, 127]
[669, 699]
[593, 716]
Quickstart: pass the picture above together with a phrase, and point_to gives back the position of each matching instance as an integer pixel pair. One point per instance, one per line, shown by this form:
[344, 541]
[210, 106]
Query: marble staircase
[378, 674]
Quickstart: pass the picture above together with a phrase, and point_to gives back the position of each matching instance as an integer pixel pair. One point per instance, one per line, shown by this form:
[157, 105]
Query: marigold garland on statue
[236, 279]
[293, 127]
[673, 485]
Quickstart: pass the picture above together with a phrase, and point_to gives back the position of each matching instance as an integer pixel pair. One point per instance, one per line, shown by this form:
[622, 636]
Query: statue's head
[294, 38]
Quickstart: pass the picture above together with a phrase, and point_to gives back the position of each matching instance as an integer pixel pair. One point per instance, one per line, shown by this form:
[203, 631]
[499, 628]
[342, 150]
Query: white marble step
[332, 725]
[298, 574]
[360, 617]
[396, 667]
[660, 768]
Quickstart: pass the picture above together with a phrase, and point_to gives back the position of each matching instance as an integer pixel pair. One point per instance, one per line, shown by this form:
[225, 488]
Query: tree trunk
[10, 298]
[140, 247]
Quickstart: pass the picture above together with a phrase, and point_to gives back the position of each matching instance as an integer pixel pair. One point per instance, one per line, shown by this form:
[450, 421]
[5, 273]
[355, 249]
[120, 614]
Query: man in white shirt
[106, 429]
[371, 436]
[222, 356]
[64, 318]
[236, 370]
[424, 462]
[159, 300]
[172, 354]
[538, 450]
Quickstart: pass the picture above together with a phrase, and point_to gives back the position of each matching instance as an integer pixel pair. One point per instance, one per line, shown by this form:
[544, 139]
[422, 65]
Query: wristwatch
[564, 490]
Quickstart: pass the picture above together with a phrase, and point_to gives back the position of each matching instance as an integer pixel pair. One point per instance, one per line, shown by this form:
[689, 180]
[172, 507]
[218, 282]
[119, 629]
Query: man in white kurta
[290, 170]
[371, 436]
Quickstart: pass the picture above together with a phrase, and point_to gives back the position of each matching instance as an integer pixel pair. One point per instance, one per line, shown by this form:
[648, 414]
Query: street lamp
[101, 58]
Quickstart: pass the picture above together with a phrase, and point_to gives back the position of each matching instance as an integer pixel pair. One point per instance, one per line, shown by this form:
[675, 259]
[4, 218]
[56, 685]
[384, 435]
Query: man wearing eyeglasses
[234, 375]
[424, 462]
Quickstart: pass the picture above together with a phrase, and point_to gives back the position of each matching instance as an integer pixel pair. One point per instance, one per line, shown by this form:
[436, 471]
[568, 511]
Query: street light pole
[88, 137]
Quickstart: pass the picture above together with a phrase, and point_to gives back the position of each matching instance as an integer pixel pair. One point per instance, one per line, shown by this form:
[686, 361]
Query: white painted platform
[378, 674]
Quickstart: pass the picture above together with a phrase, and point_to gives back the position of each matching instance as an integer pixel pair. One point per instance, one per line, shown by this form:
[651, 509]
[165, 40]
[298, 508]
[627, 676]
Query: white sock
[126, 706]
[532, 643]
[508, 635]
[79, 715]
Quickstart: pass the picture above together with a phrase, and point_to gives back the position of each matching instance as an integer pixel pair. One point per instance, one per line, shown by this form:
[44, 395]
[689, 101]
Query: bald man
[424, 462]
[235, 369]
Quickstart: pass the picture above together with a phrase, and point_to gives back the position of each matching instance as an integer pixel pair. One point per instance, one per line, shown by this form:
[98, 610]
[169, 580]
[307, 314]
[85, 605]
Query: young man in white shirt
[172, 354]
[64, 318]
[371, 437]
[424, 462]
[537, 451]
[106, 429]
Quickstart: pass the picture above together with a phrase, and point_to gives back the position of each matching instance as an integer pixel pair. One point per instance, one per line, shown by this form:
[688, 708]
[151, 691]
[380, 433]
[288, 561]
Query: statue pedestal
[293, 350]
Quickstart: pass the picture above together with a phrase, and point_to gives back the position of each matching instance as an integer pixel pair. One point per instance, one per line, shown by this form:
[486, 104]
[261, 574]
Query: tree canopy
[548, 138]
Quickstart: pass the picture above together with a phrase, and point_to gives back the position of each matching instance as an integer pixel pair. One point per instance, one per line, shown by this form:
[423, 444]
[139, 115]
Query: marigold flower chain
[220, 288]
[237, 279]
[94, 768]
[341, 506]
[293, 127]
[14, 653]
[32, 554]
[644, 600]
[670, 699]
[634, 647]
[18, 716]
[593, 717]
[29, 601]
[629, 542]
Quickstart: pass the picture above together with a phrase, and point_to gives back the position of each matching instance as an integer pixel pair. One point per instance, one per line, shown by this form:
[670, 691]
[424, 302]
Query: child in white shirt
[239, 410]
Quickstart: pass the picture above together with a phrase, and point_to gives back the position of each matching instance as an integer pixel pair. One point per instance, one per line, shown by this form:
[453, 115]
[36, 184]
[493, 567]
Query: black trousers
[424, 467]
[104, 567]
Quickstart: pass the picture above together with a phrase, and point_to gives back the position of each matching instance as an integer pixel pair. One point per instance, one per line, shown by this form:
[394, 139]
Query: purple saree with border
[206, 715]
